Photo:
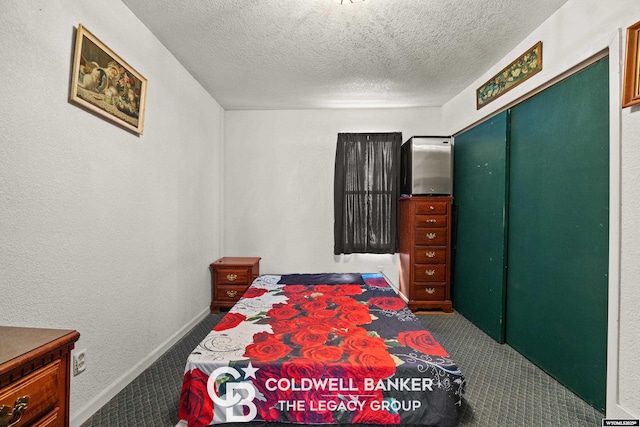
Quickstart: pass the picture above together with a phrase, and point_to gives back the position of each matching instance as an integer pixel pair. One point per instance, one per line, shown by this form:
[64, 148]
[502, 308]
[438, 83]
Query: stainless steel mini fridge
[427, 166]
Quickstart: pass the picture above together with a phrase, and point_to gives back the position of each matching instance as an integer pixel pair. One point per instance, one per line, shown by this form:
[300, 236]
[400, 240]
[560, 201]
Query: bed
[320, 349]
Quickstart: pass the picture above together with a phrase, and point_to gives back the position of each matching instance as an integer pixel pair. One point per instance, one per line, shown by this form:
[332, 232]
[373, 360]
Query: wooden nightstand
[34, 376]
[230, 278]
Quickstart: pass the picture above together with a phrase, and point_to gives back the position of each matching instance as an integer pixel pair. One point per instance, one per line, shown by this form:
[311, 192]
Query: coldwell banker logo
[237, 400]
[238, 395]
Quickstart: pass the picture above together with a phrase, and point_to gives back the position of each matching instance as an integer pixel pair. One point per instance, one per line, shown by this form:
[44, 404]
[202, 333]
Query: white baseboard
[394, 286]
[403, 297]
[83, 414]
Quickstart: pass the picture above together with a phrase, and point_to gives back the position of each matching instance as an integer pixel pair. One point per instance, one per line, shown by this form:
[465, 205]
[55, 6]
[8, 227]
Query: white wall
[577, 32]
[103, 231]
[629, 291]
[278, 174]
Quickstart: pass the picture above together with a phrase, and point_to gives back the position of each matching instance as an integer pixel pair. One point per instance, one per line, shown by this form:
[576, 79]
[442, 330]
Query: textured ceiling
[297, 54]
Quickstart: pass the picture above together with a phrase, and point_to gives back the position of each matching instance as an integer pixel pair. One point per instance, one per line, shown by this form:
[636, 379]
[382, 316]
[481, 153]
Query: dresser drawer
[230, 293]
[431, 236]
[431, 220]
[430, 272]
[53, 419]
[229, 276]
[430, 255]
[42, 388]
[431, 207]
[430, 292]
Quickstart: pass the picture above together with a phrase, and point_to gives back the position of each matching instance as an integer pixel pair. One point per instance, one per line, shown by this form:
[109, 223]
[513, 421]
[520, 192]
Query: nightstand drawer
[229, 276]
[38, 393]
[230, 293]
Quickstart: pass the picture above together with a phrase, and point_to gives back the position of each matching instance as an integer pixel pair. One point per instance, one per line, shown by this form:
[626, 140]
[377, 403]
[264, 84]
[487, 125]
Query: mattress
[320, 349]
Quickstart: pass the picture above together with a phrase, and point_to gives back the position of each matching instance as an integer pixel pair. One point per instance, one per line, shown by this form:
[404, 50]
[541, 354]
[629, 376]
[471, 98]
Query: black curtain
[366, 193]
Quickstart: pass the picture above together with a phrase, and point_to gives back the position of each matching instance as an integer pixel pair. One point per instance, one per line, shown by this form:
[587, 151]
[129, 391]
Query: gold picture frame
[105, 84]
[525, 66]
[631, 82]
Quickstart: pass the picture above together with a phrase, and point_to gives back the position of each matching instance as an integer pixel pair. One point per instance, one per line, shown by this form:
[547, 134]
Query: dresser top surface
[17, 341]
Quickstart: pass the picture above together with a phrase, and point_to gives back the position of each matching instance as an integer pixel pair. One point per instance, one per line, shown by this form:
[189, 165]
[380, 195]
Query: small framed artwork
[105, 84]
[631, 82]
[525, 66]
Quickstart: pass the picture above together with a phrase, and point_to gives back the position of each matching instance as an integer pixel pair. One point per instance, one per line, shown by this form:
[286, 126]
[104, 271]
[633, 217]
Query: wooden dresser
[34, 376]
[230, 278]
[425, 252]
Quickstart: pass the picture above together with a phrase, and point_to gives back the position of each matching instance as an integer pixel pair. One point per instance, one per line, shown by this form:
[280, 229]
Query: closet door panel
[558, 231]
[480, 168]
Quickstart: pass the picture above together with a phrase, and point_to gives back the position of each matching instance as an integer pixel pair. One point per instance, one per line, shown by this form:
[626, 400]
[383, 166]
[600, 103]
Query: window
[366, 192]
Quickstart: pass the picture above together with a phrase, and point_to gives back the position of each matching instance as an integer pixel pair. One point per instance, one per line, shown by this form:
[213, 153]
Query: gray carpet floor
[503, 388]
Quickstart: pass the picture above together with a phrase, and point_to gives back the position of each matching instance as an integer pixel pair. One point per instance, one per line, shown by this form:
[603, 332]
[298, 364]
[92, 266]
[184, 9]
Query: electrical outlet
[79, 362]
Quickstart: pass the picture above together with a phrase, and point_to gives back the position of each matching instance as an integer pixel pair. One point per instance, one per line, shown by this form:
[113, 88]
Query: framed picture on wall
[525, 66]
[631, 82]
[105, 84]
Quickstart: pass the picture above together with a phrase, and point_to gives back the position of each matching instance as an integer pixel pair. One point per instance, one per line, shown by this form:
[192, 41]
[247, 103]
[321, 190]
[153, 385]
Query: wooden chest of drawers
[230, 278]
[425, 252]
[34, 376]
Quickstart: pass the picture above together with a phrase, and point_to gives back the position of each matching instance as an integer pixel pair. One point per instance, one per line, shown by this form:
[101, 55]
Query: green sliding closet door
[480, 173]
[558, 231]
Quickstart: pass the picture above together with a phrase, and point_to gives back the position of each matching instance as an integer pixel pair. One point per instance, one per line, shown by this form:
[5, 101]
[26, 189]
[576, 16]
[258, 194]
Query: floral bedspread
[320, 349]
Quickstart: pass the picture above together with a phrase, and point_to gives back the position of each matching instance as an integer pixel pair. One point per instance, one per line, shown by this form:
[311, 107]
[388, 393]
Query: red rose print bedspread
[320, 349]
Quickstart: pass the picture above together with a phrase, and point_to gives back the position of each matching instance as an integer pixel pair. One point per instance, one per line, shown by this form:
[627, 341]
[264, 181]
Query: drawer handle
[431, 220]
[430, 272]
[431, 254]
[431, 236]
[232, 277]
[10, 417]
[433, 208]
[232, 293]
[431, 291]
